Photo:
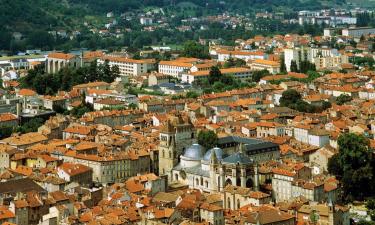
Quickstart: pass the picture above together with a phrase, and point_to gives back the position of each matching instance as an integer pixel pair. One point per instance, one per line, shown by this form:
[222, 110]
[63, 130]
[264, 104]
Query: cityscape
[198, 112]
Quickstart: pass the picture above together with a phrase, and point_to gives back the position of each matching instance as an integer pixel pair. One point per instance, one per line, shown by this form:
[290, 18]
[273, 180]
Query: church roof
[195, 151]
[238, 157]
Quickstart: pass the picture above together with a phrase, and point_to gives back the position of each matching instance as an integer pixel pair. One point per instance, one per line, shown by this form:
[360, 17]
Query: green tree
[196, 50]
[30, 126]
[353, 165]
[282, 65]
[259, 74]
[215, 75]
[293, 66]
[342, 99]
[207, 139]
[289, 98]
[192, 94]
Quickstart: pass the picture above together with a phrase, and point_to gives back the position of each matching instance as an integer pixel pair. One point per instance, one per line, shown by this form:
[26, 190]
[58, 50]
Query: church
[233, 161]
[214, 169]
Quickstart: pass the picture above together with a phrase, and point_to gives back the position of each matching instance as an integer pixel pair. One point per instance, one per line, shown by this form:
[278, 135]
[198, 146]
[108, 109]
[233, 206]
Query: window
[176, 176]
[201, 181]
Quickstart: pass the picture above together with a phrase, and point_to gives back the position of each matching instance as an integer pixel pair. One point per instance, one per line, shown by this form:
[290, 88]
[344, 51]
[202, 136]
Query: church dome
[195, 152]
[218, 152]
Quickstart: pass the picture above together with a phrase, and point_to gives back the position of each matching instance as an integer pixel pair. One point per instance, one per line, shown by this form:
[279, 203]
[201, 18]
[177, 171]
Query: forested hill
[22, 13]
[33, 17]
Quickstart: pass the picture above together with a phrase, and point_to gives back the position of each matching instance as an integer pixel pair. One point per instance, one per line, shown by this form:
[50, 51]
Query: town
[276, 129]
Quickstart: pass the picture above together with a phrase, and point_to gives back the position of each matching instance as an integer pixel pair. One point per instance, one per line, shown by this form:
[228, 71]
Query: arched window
[238, 204]
[228, 203]
[176, 176]
[201, 181]
[196, 181]
[206, 182]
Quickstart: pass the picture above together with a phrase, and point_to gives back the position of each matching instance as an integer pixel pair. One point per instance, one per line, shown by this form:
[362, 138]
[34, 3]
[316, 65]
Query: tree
[207, 139]
[353, 165]
[30, 126]
[293, 66]
[282, 65]
[259, 74]
[342, 99]
[215, 75]
[196, 50]
[289, 98]
[192, 94]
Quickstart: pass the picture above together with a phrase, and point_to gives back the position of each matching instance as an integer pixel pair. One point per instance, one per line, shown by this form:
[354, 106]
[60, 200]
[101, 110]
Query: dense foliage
[207, 139]
[292, 99]
[38, 21]
[354, 166]
[218, 82]
[44, 83]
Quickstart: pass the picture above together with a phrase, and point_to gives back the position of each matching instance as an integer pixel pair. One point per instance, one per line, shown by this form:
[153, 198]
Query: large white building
[224, 55]
[310, 54]
[237, 72]
[127, 66]
[176, 67]
[357, 32]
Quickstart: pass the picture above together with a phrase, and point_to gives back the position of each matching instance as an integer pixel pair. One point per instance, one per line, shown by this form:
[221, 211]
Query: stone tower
[175, 136]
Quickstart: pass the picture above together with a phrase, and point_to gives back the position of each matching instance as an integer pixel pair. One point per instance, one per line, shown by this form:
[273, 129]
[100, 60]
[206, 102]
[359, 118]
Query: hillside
[24, 15]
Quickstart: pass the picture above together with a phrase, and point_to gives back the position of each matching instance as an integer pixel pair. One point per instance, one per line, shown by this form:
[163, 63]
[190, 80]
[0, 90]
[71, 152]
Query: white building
[129, 67]
[174, 68]
[357, 32]
[146, 21]
[224, 55]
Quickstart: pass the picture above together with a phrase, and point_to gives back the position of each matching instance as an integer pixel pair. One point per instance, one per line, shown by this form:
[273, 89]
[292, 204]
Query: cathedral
[233, 161]
[211, 171]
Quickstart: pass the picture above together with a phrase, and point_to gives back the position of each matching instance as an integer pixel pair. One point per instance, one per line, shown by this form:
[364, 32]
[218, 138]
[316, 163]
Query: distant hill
[34, 14]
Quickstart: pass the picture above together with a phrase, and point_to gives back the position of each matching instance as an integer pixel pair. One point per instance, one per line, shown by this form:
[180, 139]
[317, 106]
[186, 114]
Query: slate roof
[238, 157]
[20, 185]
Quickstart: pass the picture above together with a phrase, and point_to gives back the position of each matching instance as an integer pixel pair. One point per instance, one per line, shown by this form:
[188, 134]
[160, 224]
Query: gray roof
[196, 170]
[251, 144]
[218, 151]
[238, 157]
[195, 151]
[20, 185]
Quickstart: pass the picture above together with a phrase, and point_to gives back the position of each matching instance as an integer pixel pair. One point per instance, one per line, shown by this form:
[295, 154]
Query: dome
[218, 152]
[195, 151]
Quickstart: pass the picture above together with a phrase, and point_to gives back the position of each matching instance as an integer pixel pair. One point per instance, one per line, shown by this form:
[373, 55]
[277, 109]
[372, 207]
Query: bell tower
[175, 136]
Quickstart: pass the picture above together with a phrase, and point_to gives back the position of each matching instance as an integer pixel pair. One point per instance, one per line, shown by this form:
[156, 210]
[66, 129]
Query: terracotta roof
[7, 117]
[59, 55]
[74, 169]
[26, 92]
[266, 62]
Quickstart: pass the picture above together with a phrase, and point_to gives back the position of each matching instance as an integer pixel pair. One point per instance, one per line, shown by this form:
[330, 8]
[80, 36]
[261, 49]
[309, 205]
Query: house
[23, 141]
[108, 103]
[73, 172]
[8, 120]
[235, 197]
[328, 214]
[212, 214]
[266, 129]
[46, 161]
[262, 64]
